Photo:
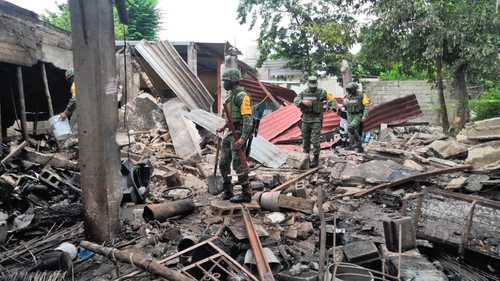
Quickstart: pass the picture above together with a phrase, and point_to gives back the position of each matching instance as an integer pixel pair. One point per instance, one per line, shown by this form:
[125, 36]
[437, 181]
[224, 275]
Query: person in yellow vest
[70, 108]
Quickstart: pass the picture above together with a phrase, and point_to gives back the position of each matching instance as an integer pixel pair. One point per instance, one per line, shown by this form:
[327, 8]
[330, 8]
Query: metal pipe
[162, 212]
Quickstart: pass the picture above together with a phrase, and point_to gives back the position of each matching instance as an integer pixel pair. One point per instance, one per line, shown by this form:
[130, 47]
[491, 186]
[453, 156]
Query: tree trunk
[462, 115]
[442, 102]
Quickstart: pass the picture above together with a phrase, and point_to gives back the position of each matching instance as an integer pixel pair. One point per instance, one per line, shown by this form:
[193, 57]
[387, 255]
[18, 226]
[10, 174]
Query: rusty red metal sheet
[394, 111]
[257, 94]
[277, 122]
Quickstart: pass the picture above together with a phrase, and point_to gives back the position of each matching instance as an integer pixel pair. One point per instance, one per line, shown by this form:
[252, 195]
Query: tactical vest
[354, 104]
[235, 100]
[317, 98]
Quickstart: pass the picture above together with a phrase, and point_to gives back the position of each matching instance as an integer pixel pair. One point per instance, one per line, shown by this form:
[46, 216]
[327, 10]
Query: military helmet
[231, 74]
[352, 87]
[70, 73]
[312, 81]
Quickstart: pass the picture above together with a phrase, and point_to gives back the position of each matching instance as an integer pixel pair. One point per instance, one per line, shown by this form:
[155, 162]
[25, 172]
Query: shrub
[488, 104]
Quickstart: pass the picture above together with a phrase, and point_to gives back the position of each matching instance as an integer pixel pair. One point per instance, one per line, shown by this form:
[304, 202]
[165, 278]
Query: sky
[187, 20]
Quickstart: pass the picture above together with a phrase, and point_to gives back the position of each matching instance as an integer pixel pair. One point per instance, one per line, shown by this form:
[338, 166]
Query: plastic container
[69, 249]
[60, 128]
[348, 272]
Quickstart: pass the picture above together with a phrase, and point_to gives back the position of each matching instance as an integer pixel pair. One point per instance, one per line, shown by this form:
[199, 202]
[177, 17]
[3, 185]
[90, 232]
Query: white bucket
[60, 128]
[69, 249]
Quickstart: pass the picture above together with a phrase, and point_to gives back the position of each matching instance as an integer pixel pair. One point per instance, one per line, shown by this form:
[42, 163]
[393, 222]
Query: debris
[185, 137]
[361, 252]
[374, 171]
[448, 148]
[412, 178]
[262, 150]
[488, 129]
[474, 182]
[166, 210]
[273, 261]
[410, 164]
[286, 184]
[14, 152]
[276, 217]
[485, 156]
[136, 259]
[392, 227]
[298, 160]
[348, 271]
[144, 113]
[56, 160]
[416, 268]
[304, 230]
[262, 263]
[457, 183]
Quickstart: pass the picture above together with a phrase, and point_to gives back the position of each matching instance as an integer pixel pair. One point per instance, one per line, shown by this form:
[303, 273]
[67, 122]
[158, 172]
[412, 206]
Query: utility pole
[96, 84]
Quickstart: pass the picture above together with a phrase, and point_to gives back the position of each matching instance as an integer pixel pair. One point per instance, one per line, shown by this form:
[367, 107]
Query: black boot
[244, 197]
[228, 191]
[315, 162]
[359, 148]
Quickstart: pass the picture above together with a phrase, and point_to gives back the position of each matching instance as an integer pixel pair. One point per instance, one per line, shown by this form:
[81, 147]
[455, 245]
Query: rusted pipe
[162, 212]
[263, 267]
[136, 259]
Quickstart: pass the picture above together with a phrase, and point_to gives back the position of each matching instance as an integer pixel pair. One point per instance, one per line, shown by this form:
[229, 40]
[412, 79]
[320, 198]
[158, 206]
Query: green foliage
[144, 19]
[395, 73]
[61, 18]
[488, 104]
[311, 35]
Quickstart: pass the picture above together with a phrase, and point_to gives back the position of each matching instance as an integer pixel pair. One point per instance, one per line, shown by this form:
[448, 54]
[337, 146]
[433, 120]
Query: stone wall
[427, 96]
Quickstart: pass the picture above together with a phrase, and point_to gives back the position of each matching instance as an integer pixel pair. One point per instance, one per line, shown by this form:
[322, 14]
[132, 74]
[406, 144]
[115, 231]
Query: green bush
[488, 104]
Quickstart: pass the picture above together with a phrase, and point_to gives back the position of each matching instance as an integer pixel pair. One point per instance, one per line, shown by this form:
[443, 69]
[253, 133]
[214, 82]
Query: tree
[458, 36]
[311, 35]
[144, 19]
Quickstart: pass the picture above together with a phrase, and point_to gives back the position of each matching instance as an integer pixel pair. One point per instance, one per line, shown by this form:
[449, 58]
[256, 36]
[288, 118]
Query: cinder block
[408, 234]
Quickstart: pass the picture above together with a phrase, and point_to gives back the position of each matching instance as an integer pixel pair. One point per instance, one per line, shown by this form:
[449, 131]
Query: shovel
[214, 181]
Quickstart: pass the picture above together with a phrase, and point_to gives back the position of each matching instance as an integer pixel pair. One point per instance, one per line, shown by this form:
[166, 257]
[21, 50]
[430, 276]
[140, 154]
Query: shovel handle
[217, 155]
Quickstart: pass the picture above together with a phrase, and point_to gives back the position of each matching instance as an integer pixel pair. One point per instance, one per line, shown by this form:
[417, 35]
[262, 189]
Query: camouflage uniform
[356, 111]
[312, 115]
[239, 105]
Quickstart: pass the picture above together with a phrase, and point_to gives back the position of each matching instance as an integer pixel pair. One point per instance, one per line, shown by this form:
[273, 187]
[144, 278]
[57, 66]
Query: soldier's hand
[307, 102]
[63, 116]
[239, 144]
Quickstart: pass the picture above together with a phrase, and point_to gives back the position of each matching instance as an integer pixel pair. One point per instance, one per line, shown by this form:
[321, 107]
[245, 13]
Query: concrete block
[360, 252]
[408, 234]
[448, 148]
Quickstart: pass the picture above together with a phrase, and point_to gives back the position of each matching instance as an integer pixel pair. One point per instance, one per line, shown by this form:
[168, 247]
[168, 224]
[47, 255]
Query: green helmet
[70, 73]
[231, 74]
[312, 81]
[351, 88]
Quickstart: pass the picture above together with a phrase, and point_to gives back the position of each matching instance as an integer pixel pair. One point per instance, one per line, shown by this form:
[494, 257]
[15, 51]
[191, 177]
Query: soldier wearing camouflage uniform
[240, 108]
[356, 112]
[311, 103]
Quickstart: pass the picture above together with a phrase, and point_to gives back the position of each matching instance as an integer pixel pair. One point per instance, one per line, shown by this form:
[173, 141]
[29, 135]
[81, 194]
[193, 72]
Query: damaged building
[417, 205]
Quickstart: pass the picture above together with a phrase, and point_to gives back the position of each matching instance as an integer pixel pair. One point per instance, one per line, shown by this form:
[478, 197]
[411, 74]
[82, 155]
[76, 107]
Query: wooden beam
[413, 178]
[22, 102]
[95, 77]
[284, 185]
[47, 91]
[192, 57]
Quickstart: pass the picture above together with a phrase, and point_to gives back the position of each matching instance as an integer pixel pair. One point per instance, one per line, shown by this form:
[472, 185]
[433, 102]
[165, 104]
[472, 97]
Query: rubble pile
[408, 206]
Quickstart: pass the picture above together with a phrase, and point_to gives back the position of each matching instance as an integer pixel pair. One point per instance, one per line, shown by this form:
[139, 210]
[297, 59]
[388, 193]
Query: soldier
[70, 108]
[240, 108]
[311, 103]
[356, 112]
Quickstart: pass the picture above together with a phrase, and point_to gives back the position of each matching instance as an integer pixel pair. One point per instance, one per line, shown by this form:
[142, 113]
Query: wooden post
[22, 102]
[47, 91]
[95, 76]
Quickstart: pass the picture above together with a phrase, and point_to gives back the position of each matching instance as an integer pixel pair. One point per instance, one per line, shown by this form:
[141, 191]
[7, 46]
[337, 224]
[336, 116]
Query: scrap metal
[261, 261]
[217, 265]
[162, 59]
[394, 111]
[262, 150]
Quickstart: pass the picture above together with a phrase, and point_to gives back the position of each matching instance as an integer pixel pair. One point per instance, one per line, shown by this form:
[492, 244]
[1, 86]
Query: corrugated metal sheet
[162, 58]
[277, 122]
[262, 150]
[394, 111]
[257, 94]
[283, 124]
